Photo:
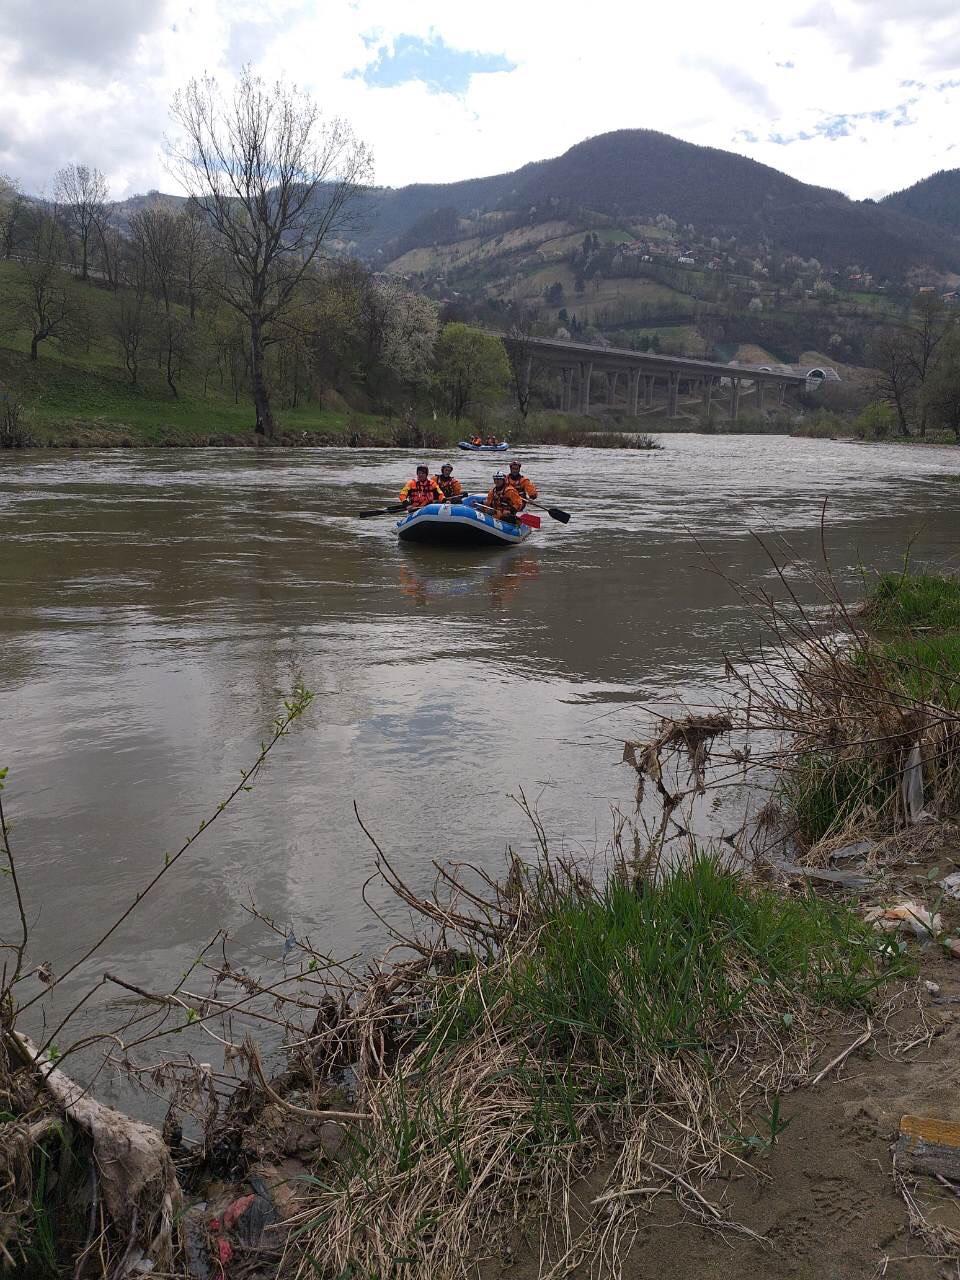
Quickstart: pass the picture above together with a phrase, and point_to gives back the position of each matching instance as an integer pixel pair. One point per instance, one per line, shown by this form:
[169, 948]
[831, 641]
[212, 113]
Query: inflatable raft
[502, 447]
[459, 524]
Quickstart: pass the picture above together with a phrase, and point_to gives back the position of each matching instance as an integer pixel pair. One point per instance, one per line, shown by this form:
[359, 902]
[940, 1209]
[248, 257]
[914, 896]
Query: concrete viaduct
[637, 383]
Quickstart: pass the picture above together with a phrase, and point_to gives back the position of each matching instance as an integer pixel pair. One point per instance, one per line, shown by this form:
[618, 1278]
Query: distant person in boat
[523, 484]
[504, 502]
[447, 482]
[491, 440]
[476, 440]
[420, 490]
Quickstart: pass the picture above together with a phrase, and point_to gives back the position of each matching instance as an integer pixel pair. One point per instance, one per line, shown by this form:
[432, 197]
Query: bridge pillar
[734, 399]
[586, 374]
[634, 392]
[649, 383]
[781, 392]
[566, 388]
[760, 386]
[673, 391]
[707, 394]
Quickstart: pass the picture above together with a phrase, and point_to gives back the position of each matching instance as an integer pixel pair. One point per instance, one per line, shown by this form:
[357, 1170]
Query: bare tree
[110, 243]
[197, 253]
[941, 389]
[14, 215]
[157, 234]
[929, 324]
[891, 355]
[276, 182]
[82, 193]
[520, 355]
[128, 331]
[47, 307]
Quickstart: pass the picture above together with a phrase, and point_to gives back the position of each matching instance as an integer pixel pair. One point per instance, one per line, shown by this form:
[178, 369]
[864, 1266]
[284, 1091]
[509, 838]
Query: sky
[853, 94]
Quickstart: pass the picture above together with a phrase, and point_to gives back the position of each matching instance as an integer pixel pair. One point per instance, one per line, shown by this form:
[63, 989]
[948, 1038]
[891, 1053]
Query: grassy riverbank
[86, 403]
[898, 685]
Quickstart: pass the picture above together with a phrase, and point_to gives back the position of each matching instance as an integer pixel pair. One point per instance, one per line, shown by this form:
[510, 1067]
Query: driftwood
[929, 1145]
[135, 1174]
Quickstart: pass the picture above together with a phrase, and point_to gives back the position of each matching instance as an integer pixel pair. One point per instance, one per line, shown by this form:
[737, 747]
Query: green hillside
[79, 390]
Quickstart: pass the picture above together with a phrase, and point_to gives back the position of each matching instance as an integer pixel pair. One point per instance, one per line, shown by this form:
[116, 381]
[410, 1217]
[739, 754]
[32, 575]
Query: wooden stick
[842, 1057]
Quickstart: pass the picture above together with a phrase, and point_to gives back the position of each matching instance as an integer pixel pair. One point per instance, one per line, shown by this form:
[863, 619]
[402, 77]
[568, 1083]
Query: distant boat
[502, 447]
[461, 524]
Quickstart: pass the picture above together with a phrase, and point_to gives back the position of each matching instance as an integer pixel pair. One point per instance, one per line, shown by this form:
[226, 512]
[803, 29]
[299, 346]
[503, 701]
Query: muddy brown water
[156, 605]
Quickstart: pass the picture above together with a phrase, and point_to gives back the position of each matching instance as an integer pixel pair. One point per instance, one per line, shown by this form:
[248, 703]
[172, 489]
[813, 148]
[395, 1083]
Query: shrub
[876, 422]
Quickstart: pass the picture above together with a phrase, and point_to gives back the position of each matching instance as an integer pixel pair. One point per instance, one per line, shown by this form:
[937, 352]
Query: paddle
[382, 511]
[532, 522]
[555, 513]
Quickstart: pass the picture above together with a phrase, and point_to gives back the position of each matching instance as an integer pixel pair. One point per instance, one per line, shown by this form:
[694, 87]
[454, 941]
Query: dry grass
[554, 1029]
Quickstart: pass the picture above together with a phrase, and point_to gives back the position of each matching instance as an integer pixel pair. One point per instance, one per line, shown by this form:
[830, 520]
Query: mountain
[936, 199]
[638, 174]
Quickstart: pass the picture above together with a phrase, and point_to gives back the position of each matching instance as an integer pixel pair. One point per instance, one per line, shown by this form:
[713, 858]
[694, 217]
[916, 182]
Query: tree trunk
[34, 343]
[261, 397]
[170, 382]
[901, 416]
[83, 267]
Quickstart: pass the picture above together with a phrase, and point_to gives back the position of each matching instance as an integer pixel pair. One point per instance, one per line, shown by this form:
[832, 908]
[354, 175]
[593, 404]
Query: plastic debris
[859, 849]
[951, 884]
[932, 988]
[912, 786]
[825, 875]
[906, 915]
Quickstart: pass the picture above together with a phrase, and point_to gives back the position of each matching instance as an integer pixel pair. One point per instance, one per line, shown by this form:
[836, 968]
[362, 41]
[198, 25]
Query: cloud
[430, 61]
[739, 84]
[862, 38]
[67, 37]
[439, 98]
[846, 125]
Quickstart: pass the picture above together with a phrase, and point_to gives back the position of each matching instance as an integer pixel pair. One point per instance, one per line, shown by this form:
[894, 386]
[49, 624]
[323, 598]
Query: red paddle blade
[531, 521]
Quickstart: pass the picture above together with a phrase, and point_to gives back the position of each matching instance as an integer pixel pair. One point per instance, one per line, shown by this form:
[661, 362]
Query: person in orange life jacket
[491, 440]
[503, 500]
[476, 439]
[448, 483]
[421, 490]
[523, 484]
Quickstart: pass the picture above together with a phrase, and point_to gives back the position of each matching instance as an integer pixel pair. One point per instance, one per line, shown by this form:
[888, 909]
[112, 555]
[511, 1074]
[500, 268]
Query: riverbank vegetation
[540, 1030]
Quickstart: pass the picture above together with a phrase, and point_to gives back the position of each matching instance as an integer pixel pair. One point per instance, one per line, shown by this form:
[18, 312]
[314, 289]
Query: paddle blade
[382, 511]
[531, 521]
[556, 513]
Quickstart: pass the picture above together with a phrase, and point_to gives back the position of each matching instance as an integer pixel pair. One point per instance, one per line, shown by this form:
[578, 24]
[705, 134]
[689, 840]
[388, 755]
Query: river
[156, 606]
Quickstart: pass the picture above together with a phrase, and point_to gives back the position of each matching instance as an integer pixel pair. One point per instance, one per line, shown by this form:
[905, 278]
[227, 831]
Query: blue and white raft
[502, 447]
[459, 524]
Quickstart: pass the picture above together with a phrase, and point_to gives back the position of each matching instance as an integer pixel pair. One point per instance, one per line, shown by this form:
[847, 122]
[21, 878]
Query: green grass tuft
[914, 600]
[662, 969]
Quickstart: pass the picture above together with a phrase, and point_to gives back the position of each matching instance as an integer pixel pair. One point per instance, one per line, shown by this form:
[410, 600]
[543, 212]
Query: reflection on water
[156, 605]
[427, 573]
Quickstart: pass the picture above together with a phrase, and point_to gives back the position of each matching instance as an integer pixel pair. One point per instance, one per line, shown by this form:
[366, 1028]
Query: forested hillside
[637, 173]
[936, 200]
